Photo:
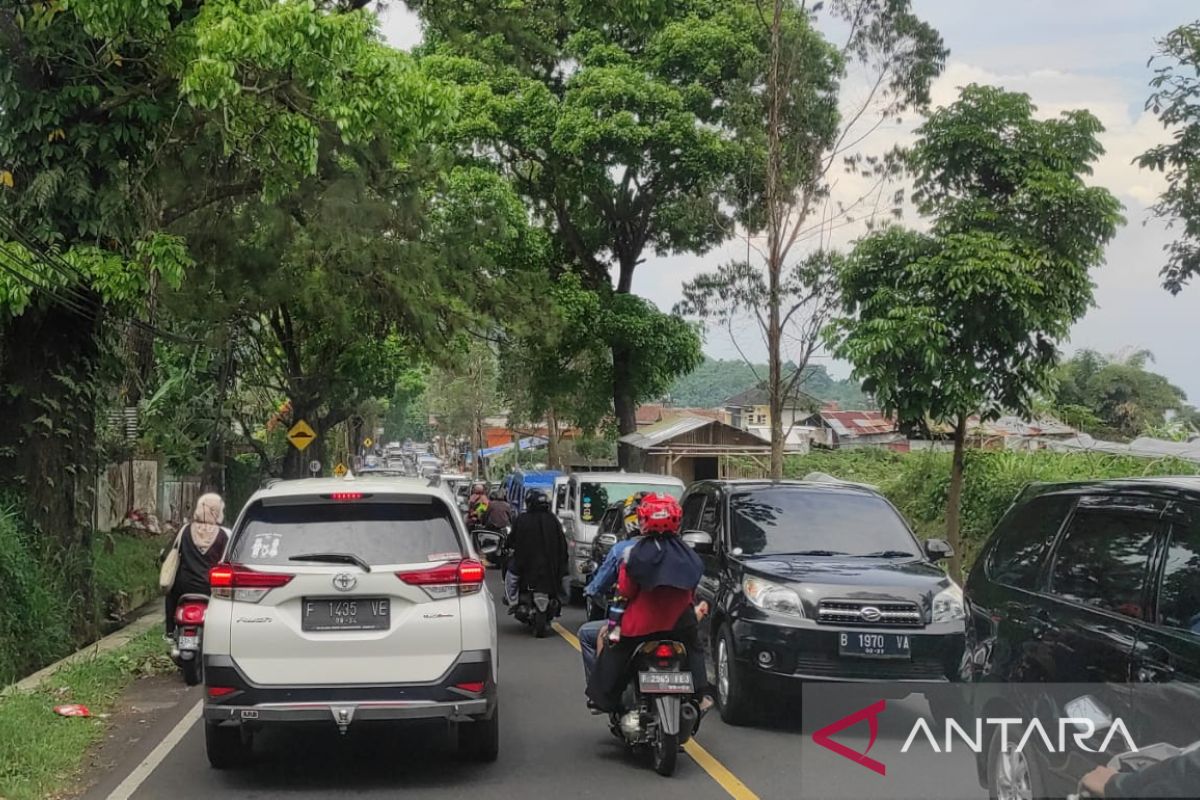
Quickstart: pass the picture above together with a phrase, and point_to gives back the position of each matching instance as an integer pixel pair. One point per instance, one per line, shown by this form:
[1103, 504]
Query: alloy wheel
[723, 671]
[1013, 778]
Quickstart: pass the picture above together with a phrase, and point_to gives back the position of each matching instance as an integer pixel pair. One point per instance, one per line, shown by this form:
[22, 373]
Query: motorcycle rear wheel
[539, 624]
[193, 671]
[664, 751]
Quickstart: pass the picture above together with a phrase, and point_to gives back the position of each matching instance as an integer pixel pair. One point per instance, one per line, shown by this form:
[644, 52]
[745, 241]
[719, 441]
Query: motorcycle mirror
[1088, 708]
[699, 541]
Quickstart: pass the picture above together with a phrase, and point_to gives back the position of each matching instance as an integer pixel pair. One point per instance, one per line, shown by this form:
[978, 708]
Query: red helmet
[659, 513]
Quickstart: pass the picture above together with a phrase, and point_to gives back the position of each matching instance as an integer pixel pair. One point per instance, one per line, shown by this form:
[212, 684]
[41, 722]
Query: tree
[612, 120]
[794, 121]
[966, 318]
[1174, 100]
[461, 396]
[1115, 396]
[122, 119]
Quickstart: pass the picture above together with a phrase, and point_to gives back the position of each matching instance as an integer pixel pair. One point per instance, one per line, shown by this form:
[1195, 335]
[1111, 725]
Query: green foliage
[462, 395]
[1173, 99]
[919, 483]
[968, 316]
[1115, 396]
[126, 571]
[41, 752]
[34, 605]
[716, 380]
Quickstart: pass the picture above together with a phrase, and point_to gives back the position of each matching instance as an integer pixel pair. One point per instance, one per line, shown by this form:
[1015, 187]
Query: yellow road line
[715, 769]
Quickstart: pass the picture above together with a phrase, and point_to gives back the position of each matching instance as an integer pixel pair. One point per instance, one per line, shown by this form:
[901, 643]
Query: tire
[539, 624]
[664, 753]
[193, 670]
[480, 740]
[1014, 777]
[733, 685]
[225, 746]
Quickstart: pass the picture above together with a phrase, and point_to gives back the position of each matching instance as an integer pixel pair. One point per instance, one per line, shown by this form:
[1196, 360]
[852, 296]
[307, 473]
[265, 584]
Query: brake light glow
[449, 580]
[235, 582]
[220, 691]
[190, 614]
[664, 651]
[475, 687]
[344, 496]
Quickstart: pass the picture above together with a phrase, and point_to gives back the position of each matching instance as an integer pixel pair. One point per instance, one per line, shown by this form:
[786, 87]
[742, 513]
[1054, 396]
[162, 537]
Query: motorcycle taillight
[190, 614]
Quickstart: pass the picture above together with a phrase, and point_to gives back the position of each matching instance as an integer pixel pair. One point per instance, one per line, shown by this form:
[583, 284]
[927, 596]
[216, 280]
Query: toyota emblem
[870, 614]
[344, 581]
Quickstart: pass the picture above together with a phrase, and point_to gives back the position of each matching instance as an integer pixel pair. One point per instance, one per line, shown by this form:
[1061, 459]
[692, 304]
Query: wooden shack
[696, 448]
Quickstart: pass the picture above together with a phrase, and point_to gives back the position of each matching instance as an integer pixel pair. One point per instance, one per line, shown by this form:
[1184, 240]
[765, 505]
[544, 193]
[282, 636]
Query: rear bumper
[243, 701]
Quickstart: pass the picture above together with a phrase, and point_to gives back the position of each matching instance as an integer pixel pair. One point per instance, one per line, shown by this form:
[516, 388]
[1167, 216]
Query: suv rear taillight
[448, 580]
[235, 582]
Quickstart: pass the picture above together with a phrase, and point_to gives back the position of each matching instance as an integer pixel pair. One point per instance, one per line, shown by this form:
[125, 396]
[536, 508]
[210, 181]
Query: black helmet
[537, 500]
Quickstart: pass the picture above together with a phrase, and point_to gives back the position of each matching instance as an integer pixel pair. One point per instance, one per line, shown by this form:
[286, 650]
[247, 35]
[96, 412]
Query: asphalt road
[550, 747]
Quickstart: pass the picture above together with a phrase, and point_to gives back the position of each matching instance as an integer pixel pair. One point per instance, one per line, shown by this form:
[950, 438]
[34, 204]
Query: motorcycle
[187, 647]
[659, 711]
[536, 609]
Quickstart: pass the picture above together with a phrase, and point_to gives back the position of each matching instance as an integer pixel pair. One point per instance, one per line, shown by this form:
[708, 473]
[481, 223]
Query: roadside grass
[41, 752]
[126, 571]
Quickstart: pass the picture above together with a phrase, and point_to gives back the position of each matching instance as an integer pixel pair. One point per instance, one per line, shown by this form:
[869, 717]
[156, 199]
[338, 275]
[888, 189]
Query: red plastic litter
[72, 710]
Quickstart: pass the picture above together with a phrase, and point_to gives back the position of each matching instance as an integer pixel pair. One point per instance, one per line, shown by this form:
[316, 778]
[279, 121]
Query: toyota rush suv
[818, 581]
[346, 601]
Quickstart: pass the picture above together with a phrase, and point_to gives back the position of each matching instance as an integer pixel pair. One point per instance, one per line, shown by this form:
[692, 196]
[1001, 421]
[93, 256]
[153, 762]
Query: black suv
[1095, 583]
[818, 581]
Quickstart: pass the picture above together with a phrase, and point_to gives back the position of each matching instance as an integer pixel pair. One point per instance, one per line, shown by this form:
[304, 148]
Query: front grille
[820, 665]
[877, 615]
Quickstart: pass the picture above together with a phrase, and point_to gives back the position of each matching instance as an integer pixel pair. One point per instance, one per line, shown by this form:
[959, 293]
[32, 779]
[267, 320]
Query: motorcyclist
[1171, 777]
[539, 550]
[499, 513]
[658, 576]
[604, 583]
[201, 545]
[477, 504]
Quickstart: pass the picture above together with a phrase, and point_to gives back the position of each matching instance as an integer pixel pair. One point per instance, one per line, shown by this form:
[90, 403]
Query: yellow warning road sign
[339, 470]
[301, 435]
[367, 442]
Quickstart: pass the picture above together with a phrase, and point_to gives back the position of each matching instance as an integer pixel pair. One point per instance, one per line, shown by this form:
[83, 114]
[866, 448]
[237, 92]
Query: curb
[104, 645]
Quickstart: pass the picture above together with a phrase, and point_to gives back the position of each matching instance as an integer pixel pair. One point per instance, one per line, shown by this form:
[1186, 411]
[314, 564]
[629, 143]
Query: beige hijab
[206, 522]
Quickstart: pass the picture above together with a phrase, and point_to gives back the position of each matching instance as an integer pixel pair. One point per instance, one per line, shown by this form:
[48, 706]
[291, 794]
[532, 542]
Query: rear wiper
[888, 554]
[333, 558]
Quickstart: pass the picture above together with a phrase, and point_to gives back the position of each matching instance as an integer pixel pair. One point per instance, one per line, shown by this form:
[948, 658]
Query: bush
[919, 483]
[35, 607]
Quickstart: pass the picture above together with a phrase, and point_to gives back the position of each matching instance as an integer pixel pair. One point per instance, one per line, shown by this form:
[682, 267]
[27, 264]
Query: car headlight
[772, 597]
[948, 604]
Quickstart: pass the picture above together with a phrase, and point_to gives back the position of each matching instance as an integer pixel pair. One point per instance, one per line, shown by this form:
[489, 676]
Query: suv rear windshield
[378, 533]
[595, 497]
[787, 520]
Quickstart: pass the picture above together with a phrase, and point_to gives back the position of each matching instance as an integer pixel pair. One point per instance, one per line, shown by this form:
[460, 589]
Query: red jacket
[650, 611]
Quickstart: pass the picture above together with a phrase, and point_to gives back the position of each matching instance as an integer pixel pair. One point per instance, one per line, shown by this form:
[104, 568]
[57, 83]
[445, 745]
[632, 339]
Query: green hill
[717, 379]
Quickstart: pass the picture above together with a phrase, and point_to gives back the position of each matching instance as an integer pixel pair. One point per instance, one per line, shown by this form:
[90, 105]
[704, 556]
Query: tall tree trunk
[552, 451]
[776, 210]
[954, 500]
[49, 430]
[624, 392]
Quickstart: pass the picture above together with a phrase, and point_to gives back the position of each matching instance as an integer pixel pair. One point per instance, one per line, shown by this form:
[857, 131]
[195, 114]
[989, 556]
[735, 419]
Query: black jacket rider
[539, 550]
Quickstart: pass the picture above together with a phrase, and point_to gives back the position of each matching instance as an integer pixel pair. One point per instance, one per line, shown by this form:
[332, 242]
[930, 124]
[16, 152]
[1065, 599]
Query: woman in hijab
[201, 546]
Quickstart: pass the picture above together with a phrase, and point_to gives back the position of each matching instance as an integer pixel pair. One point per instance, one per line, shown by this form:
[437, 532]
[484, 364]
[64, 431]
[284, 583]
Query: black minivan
[1088, 583]
[817, 581]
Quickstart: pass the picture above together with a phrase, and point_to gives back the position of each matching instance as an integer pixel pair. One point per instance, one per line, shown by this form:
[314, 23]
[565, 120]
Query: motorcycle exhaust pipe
[687, 720]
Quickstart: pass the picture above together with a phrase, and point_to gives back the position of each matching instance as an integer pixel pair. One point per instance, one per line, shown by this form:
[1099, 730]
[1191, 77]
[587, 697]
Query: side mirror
[486, 542]
[938, 549]
[606, 539]
[1085, 711]
[699, 541]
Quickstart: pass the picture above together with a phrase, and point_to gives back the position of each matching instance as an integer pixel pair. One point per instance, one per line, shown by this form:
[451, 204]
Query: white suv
[349, 600]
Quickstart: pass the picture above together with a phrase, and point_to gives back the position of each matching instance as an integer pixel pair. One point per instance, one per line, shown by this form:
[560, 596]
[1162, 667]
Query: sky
[1065, 54]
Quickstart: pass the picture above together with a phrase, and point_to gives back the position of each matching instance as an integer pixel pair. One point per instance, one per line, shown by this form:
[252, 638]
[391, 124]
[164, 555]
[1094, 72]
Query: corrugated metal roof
[858, 423]
[662, 431]
[1144, 447]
